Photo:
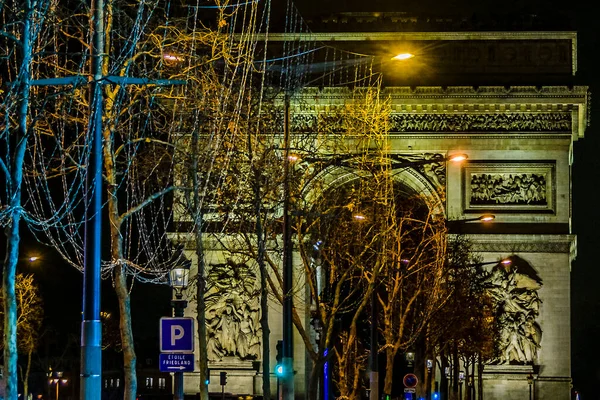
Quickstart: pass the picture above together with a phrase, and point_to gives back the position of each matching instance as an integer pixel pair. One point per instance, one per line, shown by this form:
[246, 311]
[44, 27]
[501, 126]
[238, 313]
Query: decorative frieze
[496, 122]
[519, 243]
[559, 122]
[509, 186]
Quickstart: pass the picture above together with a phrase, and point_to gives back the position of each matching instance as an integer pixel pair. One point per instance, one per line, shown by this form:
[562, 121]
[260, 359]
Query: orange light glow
[403, 56]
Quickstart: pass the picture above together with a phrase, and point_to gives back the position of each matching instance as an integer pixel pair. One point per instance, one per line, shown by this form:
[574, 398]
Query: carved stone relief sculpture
[514, 289]
[489, 189]
[498, 122]
[232, 312]
[442, 122]
[509, 186]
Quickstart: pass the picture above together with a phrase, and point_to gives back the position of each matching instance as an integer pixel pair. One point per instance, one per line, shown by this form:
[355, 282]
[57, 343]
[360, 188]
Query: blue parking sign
[176, 335]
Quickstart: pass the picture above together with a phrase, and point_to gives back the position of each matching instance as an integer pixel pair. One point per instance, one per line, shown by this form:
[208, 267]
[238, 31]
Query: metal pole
[91, 328]
[530, 392]
[374, 374]
[288, 346]
[178, 307]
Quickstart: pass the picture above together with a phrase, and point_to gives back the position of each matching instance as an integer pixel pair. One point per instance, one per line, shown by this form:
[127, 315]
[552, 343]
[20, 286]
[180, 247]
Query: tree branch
[146, 202]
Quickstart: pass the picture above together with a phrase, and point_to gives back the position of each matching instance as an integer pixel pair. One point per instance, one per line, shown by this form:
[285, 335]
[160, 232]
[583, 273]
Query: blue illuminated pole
[91, 327]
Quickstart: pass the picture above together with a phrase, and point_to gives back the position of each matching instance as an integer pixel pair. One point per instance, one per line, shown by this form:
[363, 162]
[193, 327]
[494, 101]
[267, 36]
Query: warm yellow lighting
[403, 56]
[172, 57]
[506, 262]
[458, 157]
[293, 158]
[487, 217]
[359, 217]
[34, 258]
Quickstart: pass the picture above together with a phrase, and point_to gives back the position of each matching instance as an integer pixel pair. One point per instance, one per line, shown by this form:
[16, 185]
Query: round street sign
[410, 380]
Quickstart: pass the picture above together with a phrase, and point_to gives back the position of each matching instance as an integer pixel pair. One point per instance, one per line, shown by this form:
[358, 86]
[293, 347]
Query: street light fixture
[461, 378]
[57, 380]
[403, 56]
[179, 277]
[178, 280]
[530, 383]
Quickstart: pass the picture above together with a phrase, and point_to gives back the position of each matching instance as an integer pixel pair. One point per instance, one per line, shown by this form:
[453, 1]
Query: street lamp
[530, 383]
[178, 280]
[57, 380]
[461, 378]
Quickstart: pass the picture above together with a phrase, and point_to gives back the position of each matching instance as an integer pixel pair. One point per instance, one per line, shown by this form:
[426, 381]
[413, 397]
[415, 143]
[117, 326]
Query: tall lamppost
[287, 378]
[57, 380]
[178, 280]
[461, 378]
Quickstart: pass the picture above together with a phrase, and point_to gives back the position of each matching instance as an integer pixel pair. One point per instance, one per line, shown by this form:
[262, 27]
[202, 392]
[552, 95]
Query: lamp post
[178, 280]
[57, 380]
[530, 383]
[287, 379]
[461, 378]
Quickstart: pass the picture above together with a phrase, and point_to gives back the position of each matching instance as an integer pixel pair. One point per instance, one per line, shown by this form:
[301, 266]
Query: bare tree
[19, 41]
[30, 313]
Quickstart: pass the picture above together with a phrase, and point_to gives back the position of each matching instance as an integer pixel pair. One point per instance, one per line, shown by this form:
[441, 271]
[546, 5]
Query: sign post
[410, 383]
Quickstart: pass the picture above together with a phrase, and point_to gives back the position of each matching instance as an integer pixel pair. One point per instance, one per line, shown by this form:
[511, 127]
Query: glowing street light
[459, 157]
[172, 57]
[403, 56]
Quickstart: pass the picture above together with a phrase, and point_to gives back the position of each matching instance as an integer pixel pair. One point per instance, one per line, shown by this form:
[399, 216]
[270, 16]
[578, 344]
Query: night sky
[61, 285]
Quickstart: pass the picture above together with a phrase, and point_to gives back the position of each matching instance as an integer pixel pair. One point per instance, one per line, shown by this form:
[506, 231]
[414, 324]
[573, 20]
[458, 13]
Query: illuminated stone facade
[519, 142]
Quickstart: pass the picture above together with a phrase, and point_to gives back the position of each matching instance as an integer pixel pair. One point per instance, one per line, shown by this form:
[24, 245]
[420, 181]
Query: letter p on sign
[176, 335]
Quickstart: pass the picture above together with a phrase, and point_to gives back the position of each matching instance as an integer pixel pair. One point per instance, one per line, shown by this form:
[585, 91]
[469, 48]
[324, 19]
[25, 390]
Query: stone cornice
[547, 108]
[524, 243]
[501, 94]
[426, 36]
[420, 36]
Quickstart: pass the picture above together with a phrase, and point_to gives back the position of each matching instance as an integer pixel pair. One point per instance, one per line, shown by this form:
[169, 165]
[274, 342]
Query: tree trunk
[201, 310]
[120, 269]
[455, 370]
[10, 302]
[201, 274]
[480, 378]
[13, 235]
[314, 388]
[264, 301]
[129, 357]
[26, 375]
[444, 392]
[390, 355]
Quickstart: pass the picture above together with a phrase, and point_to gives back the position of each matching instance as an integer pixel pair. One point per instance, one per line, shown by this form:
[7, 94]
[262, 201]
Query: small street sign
[172, 362]
[176, 335]
[410, 380]
[410, 390]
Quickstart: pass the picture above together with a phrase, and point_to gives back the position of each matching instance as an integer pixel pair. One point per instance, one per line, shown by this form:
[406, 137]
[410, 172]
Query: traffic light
[279, 370]
[279, 351]
[223, 377]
